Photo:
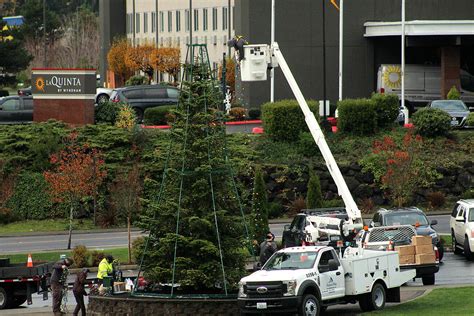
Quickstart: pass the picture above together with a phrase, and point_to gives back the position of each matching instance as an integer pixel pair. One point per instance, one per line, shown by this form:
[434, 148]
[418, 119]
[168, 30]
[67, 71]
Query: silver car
[457, 109]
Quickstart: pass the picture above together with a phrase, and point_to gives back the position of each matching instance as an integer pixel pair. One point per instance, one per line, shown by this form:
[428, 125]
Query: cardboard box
[408, 259]
[425, 258]
[421, 240]
[428, 249]
[405, 250]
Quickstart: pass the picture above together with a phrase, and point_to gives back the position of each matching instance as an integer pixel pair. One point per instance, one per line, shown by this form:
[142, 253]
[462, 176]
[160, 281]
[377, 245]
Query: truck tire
[17, 301]
[467, 249]
[428, 279]
[454, 243]
[5, 298]
[375, 300]
[310, 306]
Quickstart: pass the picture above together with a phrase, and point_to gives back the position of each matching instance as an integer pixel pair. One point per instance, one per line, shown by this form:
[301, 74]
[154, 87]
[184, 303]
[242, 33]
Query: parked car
[462, 228]
[455, 108]
[143, 97]
[16, 109]
[409, 216]
[24, 91]
[102, 95]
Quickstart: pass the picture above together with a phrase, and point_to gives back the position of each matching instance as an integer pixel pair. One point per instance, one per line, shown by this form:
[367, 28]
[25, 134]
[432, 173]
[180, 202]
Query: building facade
[439, 32]
[171, 23]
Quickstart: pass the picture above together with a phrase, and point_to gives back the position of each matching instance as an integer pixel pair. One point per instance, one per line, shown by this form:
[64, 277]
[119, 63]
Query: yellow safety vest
[104, 269]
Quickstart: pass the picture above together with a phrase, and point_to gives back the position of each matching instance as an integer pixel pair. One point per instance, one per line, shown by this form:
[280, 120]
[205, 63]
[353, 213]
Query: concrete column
[450, 69]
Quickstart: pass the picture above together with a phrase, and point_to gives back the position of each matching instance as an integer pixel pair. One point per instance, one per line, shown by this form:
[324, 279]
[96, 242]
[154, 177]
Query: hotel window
[162, 21]
[204, 19]
[178, 21]
[127, 23]
[196, 20]
[186, 20]
[153, 22]
[214, 19]
[137, 22]
[224, 18]
[145, 22]
[170, 21]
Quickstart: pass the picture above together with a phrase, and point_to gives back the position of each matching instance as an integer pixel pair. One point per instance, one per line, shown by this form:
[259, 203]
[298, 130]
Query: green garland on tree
[198, 201]
[314, 197]
[259, 206]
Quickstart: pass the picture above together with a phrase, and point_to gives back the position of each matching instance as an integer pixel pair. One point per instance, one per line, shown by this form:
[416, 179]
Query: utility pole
[341, 45]
[272, 40]
[324, 58]
[45, 61]
[229, 26]
[402, 72]
[133, 21]
[191, 25]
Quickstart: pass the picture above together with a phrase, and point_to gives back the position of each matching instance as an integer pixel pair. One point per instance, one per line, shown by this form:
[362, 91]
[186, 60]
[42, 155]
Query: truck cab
[309, 279]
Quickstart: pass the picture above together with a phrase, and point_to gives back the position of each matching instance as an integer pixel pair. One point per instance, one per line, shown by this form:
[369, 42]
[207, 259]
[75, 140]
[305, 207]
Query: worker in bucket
[105, 268]
[79, 292]
[58, 282]
[238, 42]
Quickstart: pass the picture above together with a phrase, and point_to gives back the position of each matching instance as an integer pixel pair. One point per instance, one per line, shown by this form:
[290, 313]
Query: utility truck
[308, 279]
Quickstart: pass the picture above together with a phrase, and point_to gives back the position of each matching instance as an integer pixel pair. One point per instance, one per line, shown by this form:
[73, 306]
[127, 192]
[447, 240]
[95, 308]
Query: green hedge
[158, 115]
[470, 120]
[107, 112]
[31, 198]
[387, 107]
[284, 120]
[357, 116]
[4, 93]
[432, 122]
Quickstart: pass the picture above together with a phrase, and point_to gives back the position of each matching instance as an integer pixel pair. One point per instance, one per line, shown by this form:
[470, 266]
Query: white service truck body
[308, 279]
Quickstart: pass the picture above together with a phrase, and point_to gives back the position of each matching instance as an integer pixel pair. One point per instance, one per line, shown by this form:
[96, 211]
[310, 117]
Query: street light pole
[228, 27]
[402, 72]
[341, 45]
[324, 58]
[272, 40]
[44, 34]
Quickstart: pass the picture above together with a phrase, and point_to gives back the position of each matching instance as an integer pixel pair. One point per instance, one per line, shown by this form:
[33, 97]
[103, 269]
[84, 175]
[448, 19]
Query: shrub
[453, 94]
[470, 120]
[297, 205]
[387, 108]
[432, 122]
[30, 199]
[306, 145]
[284, 120]
[107, 112]
[81, 256]
[367, 205]
[259, 206]
[138, 245]
[275, 210]
[333, 203]
[436, 199]
[357, 116]
[237, 114]
[469, 194]
[137, 81]
[314, 198]
[4, 93]
[96, 257]
[158, 116]
[126, 117]
[254, 114]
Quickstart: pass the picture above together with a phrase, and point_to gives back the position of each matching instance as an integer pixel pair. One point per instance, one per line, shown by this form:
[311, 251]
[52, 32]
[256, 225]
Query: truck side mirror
[286, 227]
[434, 222]
[333, 265]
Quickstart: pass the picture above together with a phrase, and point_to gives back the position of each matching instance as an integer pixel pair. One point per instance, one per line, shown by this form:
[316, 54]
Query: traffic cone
[29, 264]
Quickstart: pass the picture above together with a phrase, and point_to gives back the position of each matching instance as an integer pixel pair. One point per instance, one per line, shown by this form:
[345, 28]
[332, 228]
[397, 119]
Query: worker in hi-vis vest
[105, 268]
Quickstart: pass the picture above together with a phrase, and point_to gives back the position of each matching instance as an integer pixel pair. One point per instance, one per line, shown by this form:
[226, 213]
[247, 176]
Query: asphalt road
[442, 227]
[25, 244]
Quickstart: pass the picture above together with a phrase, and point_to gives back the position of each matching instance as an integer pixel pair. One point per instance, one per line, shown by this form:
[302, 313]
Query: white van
[422, 84]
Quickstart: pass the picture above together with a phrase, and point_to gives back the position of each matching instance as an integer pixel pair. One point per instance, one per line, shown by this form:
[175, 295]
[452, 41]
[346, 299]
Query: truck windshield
[396, 219]
[291, 261]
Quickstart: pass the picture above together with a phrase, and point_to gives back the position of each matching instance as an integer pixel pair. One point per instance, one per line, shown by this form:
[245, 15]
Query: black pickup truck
[18, 282]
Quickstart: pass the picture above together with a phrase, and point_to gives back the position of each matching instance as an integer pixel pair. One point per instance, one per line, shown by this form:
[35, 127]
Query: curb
[74, 232]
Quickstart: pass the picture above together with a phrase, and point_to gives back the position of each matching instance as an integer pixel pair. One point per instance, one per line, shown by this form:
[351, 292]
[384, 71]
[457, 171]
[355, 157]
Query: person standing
[79, 292]
[105, 268]
[267, 248]
[58, 281]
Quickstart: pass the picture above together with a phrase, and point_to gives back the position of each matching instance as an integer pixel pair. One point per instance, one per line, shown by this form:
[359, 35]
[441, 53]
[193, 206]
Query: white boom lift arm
[258, 58]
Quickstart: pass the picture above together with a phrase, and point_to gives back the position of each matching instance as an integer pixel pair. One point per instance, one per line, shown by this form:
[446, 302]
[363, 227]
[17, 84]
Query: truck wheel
[5, 298]
[454, 243]
[310, 306]
[440, 251]
[428, 279]
[17, 301]
[374, 300]
[467, 249]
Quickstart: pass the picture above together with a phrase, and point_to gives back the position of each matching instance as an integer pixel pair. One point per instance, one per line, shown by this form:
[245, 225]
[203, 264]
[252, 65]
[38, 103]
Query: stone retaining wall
[131, 306]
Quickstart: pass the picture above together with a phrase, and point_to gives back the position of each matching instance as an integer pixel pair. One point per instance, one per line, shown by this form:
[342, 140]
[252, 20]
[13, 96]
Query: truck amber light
[366, 228]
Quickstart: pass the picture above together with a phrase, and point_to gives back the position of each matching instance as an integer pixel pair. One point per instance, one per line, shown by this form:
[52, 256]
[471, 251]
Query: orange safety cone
[29, 264]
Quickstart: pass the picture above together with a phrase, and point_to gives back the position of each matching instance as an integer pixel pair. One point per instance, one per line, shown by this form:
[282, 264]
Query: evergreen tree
[314, 197]
[195, 222]
[260, 206]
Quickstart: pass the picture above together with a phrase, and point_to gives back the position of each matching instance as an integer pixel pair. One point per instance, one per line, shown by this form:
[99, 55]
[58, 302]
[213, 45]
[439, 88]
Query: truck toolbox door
[331, 275]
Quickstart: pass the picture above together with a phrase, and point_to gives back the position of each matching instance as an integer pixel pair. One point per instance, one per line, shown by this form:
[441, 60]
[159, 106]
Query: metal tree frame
[198, 53]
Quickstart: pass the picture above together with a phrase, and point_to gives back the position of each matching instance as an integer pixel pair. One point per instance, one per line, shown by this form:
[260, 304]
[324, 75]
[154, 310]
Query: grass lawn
[448, 301]
[446, 240]
[45, 226]
[118, 253]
